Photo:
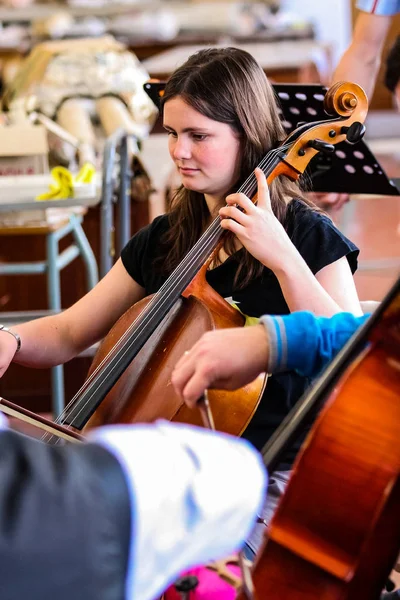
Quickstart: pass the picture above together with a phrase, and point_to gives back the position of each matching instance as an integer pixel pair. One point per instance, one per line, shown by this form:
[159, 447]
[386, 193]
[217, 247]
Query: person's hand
[224, 359]
[330, 202]
[256, 227]
[8, 348]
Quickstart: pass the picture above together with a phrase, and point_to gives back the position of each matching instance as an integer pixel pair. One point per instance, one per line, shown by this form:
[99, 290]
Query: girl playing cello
[282, 255]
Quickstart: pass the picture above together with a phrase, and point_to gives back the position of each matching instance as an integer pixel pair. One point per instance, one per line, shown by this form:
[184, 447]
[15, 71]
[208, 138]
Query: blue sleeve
[379, 7]
[305, 343]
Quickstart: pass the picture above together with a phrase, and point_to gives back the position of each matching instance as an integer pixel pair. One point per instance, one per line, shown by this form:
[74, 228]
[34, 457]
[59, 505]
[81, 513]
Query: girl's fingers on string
[233, 226]
[232, 212]
[240, 200]
[195, 387]
[263, 196]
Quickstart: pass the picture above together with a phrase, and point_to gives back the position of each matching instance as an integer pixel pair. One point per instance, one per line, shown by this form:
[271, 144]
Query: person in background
[361, 61]
[392, 71]
[392, 79]
[360, 64]
[119, 517]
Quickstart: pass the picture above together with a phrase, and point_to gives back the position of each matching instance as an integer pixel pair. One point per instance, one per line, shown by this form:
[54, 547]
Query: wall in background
[332, 20]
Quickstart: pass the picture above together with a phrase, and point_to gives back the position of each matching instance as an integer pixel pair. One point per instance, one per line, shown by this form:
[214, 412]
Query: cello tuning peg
[354, 133]
[321, 146]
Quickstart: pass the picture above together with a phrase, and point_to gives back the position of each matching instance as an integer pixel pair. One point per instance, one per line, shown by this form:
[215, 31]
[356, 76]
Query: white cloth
[194, 497]
[194, 493]
[3, 421]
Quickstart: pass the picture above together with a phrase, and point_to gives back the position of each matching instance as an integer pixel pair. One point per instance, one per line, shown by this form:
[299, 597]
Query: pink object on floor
[211, 586]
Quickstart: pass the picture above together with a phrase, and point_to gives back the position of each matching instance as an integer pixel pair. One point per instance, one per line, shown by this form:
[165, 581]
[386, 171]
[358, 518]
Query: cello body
[336, 532]
[144, 392]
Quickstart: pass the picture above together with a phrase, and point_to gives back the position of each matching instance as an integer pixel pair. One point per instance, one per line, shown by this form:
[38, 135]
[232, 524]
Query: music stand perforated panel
[351, 169]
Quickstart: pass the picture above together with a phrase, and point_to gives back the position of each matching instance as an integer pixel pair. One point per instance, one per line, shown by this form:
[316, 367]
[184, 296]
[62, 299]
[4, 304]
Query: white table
[272, 56]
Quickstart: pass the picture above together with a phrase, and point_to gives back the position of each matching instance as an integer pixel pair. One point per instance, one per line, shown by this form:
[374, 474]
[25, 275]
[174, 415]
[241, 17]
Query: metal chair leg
[92, 273]
[54, 301]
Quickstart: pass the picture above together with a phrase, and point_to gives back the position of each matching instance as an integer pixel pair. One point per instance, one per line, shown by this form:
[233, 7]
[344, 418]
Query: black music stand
[351, 169]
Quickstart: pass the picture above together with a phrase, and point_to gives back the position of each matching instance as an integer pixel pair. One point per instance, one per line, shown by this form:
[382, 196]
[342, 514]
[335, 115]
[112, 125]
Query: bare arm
[330, 291]
[299, 341]
[361, 61]
[54, 340]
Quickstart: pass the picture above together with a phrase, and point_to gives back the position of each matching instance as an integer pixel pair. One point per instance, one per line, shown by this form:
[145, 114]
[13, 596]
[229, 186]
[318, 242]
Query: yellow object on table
[65, 182]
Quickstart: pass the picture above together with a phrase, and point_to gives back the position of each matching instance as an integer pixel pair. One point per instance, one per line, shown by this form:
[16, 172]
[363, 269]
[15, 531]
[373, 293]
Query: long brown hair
[226, 85]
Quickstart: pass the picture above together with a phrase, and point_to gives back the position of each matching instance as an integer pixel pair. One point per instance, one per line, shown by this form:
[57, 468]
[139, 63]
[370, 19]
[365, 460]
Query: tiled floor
[374, 229]
[373, 223]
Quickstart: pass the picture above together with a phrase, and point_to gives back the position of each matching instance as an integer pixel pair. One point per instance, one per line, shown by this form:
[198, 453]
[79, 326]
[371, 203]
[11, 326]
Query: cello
[130, 377]
[336, 532]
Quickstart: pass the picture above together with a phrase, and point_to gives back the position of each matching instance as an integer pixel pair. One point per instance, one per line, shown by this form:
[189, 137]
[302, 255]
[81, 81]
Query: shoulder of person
[301, 217]
[143, 247]
[154, 229]
[317, 238]
[158, 225]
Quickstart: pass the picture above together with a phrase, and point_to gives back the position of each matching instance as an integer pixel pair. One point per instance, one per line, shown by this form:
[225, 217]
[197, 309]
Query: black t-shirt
[319, 242]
